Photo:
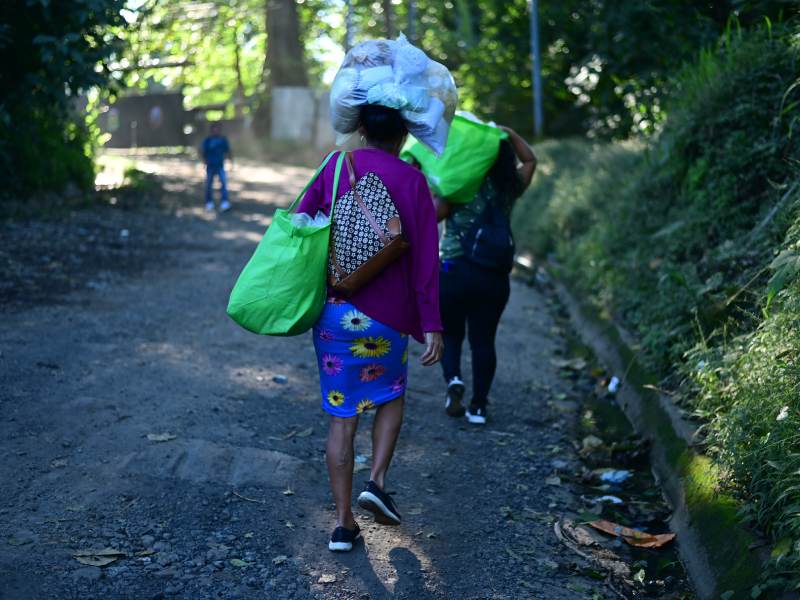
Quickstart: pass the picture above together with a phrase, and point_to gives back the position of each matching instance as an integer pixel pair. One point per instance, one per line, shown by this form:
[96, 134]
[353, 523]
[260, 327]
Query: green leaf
[786, 266]
[782, 547]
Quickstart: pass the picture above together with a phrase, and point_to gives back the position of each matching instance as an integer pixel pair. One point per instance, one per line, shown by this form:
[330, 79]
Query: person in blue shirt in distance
[214, 150]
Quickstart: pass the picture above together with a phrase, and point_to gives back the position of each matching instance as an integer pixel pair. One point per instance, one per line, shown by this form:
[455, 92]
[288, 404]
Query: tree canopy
[607, 65]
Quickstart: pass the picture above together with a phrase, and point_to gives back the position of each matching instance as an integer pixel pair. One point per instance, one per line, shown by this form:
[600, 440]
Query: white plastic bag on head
[398, 75]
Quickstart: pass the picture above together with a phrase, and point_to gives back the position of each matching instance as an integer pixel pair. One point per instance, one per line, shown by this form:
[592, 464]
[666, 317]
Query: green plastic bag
[282, 289]
[457, 174]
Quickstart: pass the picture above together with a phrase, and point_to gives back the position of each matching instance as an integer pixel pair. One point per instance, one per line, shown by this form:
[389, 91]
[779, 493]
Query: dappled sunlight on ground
[238, 234]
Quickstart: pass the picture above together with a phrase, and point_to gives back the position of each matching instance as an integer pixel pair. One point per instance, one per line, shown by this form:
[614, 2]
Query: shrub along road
[138, 419]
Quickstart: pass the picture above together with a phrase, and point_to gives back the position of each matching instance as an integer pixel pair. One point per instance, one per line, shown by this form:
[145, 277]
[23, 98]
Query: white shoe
[209, 207]
[476, 416]
[225, 206]
[455, 393]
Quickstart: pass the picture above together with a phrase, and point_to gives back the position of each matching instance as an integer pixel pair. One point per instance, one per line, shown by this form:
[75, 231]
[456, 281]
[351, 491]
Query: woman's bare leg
[385, 431]
[339, 456]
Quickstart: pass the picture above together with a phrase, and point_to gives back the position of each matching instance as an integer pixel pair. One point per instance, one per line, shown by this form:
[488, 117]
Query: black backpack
[489, 242]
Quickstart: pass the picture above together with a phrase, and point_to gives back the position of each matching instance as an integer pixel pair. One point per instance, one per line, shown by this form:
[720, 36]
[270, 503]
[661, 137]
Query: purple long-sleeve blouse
[406, 295]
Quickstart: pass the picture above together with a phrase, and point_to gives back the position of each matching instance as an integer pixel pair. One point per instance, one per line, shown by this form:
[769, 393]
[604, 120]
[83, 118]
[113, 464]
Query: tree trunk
[284, 65]
[239, 99]
[388, 17]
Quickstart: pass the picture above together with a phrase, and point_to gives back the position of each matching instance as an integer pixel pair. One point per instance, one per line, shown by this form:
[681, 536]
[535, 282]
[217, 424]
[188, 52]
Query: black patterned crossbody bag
[366, 233]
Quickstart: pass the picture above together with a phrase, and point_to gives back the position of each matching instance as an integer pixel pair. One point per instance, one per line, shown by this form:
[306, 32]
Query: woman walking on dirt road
[361, 340]
[474, 276]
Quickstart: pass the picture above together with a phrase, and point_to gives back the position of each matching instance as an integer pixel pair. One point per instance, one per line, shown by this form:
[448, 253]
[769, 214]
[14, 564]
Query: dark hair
[504, 174]
[381, 124]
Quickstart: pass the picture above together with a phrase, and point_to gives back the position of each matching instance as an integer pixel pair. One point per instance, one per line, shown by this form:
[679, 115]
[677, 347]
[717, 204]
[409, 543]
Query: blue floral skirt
[362, 362]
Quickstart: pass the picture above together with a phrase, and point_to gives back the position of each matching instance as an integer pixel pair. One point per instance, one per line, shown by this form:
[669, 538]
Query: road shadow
[410, 582]
[411, 579]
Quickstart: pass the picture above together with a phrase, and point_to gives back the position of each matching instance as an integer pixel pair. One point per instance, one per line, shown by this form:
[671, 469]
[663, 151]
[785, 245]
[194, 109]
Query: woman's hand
[443, 208]
[434, 348]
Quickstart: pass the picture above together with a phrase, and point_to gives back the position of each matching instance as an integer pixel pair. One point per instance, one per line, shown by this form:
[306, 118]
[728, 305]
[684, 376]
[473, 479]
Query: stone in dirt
[88, 573]
[201, 461]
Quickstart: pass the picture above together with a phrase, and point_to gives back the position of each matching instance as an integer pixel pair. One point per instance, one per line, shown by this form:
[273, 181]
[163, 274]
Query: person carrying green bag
[282, 289]
[376, 234]
[477, 254]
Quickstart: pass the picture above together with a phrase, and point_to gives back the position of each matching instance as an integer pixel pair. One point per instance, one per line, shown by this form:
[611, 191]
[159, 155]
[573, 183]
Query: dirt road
[136, 416]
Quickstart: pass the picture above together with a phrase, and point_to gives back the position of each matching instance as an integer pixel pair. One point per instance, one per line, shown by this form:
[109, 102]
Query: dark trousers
[471, 300]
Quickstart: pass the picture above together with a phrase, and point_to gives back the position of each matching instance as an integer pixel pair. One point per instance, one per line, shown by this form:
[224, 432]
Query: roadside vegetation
[691, 241]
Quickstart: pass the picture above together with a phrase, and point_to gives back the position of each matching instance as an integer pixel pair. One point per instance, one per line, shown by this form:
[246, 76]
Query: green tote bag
[458, 173]
[281, 290]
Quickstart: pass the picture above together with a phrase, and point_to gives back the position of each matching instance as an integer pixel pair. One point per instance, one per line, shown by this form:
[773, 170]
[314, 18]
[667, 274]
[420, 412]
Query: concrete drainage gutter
[716, 549]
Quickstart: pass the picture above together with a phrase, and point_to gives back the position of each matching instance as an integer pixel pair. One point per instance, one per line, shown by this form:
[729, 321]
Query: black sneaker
[342, 539]
[476, 415]
[455, 393]
[380, 504]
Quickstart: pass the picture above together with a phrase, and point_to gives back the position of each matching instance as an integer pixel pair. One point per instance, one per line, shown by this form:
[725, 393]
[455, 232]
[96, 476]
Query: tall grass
[678, 241]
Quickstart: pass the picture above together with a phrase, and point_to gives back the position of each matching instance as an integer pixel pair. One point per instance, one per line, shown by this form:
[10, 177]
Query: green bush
[692, 244]
[662, 236]
[53, 54]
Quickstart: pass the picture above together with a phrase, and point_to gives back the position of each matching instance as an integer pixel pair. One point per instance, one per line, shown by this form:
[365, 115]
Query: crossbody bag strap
[370, 217]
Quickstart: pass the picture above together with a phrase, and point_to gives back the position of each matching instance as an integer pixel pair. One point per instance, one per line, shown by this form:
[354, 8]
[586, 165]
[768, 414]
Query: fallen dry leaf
[238, 562]
[553, 480]
[304, 433]
[280, 559]
[634, 537]
[161, 437]
[98, 558]
[361, 467]
[327, 578]
[590, 444]
[58, 463]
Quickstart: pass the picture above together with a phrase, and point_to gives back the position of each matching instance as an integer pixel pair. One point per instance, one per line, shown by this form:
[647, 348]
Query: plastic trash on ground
[615, 477]
[607, 500]
[613, 385]
[396, 74]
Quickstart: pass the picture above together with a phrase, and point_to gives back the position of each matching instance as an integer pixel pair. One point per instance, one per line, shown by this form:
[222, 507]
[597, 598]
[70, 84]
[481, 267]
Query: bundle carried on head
[395, 74]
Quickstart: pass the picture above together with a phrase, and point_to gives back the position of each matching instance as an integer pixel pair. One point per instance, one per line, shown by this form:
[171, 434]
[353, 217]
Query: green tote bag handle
[311, 181]
[282, 289]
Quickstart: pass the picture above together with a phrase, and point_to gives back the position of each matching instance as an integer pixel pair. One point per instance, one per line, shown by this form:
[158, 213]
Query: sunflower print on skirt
[354, 320]
[364, 405]
[362, 362]
[370, 347]
[335, 398]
